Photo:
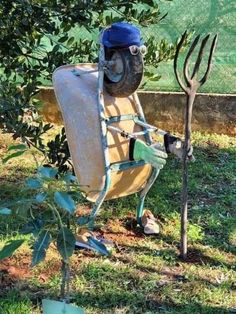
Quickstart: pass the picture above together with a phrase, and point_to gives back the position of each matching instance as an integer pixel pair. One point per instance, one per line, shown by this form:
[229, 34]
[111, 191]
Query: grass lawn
[144, 274]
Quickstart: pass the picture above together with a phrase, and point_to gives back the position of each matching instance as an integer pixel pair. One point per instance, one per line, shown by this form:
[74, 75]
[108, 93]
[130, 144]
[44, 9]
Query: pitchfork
[190, 89]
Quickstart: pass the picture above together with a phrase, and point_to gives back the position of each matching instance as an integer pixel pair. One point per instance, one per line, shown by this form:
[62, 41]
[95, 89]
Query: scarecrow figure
[110, 142]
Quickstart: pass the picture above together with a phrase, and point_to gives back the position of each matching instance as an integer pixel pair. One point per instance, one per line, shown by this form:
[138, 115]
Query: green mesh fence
[201, 17]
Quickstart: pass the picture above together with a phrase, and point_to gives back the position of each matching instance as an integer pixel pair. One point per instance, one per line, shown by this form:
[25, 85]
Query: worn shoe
[149, 223]
[82, 241]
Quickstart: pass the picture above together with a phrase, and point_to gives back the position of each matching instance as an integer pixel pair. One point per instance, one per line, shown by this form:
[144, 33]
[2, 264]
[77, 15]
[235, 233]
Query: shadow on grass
[119, 302]
[195, 255]
[171, 258]
[141, 304]
[110, 287]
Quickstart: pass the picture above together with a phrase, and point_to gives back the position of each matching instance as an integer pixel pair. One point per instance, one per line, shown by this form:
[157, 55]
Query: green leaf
[65, 201]
[10, 248]
[40, 197]
[98, 246]
[51, 306]
[65, 243]
[34, 226]
[67, 27]
[16, 154]
[83, 220]
[21, 59]
[55, 48]
[63, 39]
[33, 183]
[155, 77]
[69, 178]
[47, 172]
[70, 41]
[17, 147]
[40, 247]
[5, 211]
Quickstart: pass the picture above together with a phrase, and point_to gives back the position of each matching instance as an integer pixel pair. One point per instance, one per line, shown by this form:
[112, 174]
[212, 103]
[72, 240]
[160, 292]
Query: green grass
[144, 274]
[14, 304]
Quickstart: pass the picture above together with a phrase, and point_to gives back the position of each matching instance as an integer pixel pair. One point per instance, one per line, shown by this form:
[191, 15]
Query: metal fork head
[192, 83]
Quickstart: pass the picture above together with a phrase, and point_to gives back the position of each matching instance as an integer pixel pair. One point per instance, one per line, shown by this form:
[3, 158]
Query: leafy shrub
[36, 37]
[50, 219]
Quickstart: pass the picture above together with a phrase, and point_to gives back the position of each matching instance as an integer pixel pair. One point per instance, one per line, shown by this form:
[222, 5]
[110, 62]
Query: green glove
[150, 154]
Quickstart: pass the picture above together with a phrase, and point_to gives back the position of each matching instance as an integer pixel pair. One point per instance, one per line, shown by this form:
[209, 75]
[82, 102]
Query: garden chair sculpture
[109, 139]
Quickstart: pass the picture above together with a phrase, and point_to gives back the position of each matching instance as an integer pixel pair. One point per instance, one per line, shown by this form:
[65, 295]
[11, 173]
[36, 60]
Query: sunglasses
[134, 50]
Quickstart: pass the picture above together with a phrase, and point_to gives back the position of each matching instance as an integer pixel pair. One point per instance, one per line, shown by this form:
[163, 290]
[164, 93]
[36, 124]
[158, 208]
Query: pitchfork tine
[199, 57]
[179, 46]
[186, 62]
[213, 45]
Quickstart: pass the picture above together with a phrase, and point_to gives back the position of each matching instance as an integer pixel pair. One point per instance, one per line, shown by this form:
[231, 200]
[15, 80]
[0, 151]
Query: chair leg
[139, 213]
[95, 210]
[99, 201]
[143, 194]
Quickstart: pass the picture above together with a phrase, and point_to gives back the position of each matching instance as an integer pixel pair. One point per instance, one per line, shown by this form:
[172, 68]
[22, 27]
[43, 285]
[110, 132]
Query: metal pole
[190, 86]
